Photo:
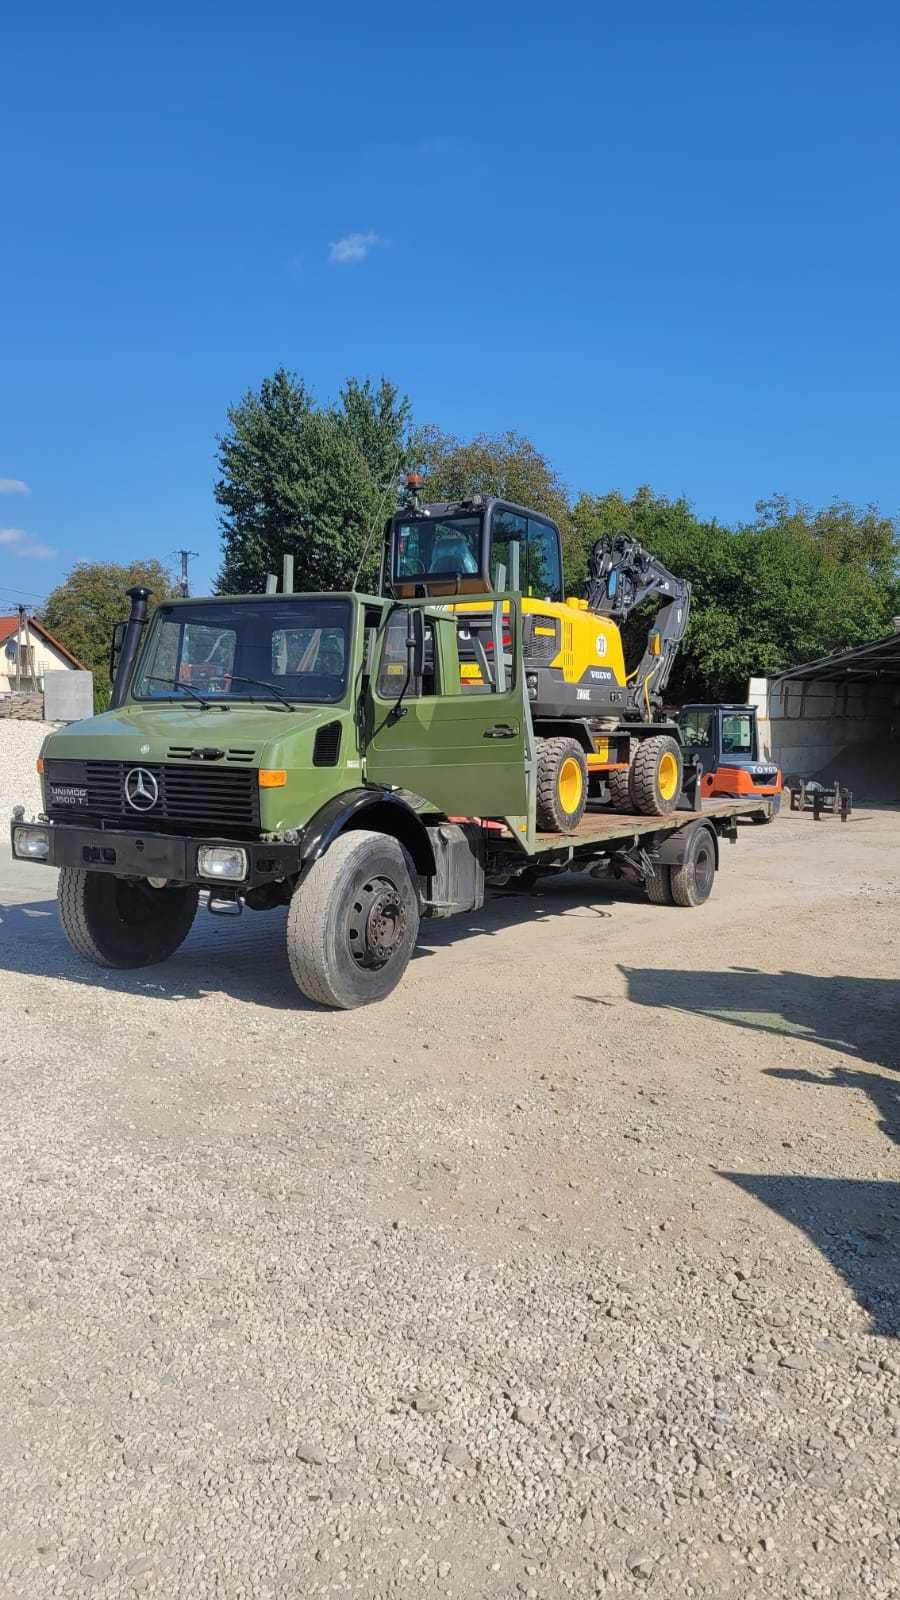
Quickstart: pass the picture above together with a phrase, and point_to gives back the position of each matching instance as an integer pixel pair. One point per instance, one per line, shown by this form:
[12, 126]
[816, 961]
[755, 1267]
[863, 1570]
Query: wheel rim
[377, 924]
[571, 785]
[704, 869]
[139, 905]
[667, 775]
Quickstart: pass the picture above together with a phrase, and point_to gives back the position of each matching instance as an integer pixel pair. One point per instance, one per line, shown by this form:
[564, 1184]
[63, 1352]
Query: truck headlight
[221, 861]
[31, 844]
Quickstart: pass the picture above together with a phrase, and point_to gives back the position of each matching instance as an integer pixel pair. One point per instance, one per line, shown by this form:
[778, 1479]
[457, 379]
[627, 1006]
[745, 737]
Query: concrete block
[68, 696]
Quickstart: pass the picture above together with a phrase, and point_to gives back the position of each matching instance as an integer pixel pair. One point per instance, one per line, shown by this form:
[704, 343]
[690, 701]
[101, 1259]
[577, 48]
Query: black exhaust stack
[132, 633]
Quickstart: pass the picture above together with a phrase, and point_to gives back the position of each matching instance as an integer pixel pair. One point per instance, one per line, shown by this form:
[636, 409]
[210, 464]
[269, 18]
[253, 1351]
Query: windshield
[737, 735]
[432, 548]
[237, 650]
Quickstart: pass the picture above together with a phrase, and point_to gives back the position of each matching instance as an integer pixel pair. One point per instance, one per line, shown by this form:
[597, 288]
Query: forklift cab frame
[705, 734]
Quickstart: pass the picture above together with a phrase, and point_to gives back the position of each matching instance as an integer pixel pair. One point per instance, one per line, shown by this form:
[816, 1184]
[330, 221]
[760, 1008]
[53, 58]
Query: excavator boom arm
[621, 575]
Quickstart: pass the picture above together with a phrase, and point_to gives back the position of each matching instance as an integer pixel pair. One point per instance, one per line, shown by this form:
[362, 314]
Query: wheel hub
[377, 923]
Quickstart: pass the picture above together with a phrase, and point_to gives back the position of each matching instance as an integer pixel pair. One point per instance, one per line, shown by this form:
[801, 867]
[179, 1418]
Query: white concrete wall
[850, 731]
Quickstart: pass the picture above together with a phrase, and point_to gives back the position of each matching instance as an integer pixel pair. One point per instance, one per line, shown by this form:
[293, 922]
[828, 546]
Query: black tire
[620, 794]
[692, 882]
[354, 921]
[123, 922]
[656, 775]
[562, 785]
[658, 885]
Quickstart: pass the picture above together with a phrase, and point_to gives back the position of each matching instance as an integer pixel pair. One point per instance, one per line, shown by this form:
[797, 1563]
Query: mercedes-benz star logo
[141, 789]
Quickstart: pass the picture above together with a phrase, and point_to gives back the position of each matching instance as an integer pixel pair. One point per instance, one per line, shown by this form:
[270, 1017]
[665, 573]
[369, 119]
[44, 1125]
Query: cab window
[696, 728]
[392, 666]
[538, 546]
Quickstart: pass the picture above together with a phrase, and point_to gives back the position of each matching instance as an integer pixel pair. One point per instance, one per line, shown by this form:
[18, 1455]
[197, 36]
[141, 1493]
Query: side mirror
[115, 649]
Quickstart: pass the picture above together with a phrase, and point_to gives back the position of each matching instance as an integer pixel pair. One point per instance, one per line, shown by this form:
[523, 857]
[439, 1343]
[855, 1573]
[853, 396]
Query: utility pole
[19, 630]
[186, 556]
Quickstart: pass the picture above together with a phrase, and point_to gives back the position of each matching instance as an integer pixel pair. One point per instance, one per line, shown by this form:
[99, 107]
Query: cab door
[463, 750]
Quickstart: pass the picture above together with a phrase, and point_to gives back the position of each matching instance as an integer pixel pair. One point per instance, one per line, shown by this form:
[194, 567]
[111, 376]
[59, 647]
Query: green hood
[156, 732]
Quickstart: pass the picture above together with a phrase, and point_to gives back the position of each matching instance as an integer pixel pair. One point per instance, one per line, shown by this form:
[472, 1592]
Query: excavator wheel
[655, 775]
[620, 783]
[562, 785]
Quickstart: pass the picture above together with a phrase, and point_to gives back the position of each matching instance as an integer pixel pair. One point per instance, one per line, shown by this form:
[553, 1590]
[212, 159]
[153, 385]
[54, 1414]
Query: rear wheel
[620, 782]
[692, 882]
[562, 785]
[658, 885]
[353, 922]
[123, 922]
[656, 774]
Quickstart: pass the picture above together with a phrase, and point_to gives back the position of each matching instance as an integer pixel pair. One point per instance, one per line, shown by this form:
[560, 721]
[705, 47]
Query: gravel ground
[570, 1269]
[20, 746]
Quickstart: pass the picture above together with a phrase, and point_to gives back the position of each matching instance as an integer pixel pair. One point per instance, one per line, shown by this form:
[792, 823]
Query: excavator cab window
[438, 549]
[540, 572]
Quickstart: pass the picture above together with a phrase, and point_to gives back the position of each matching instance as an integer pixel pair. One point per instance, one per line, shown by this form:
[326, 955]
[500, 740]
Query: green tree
[791, 586]
[83, 610]
[312, 482]
[505, 464]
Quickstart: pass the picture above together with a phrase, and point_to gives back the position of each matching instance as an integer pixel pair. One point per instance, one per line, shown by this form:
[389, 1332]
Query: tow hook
[219, 905]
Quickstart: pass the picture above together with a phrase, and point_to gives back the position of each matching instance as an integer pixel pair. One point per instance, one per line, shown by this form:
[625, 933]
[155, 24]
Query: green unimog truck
[322, 752]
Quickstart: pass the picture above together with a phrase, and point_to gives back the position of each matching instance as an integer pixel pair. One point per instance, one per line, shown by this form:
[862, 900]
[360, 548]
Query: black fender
[673, 849]
[379, 809]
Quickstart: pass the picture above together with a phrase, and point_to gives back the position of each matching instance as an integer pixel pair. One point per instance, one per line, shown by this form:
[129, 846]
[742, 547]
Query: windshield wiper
[176, 683]
[262, 684]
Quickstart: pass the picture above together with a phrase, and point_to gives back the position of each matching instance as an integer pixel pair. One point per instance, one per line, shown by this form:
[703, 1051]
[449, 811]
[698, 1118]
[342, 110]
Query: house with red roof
[26, 653]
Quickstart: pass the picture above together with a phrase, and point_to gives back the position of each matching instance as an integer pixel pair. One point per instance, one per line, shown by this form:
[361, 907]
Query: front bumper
[127, 854]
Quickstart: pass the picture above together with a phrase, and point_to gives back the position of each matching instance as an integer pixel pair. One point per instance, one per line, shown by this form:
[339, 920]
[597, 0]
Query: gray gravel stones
[333, 1407]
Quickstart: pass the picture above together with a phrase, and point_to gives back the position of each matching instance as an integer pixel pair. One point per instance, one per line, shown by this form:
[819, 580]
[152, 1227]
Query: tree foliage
[793, 584]
[83, 610]
[506, 464]
[313, 482]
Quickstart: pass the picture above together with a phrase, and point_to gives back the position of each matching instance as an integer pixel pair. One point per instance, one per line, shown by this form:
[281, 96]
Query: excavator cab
[600, 735]
[471, 547]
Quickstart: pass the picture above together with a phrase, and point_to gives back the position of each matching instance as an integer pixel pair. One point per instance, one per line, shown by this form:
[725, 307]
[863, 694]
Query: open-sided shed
[839, 717]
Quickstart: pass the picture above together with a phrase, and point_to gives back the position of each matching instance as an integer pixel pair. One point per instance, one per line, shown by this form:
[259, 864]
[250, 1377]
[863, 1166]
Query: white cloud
[353, 247]
[13, 486]
[20, 543]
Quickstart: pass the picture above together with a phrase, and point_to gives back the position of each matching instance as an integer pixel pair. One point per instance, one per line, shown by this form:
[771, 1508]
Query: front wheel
[353, 922]
[562, 785]
[123, 922]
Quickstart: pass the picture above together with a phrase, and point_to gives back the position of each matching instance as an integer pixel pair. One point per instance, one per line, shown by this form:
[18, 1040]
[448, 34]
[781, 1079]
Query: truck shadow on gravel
[857, 1016]
[854, 1222]
[246, 958]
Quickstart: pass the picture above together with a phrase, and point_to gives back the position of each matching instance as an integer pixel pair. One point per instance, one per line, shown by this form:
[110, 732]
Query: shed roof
[878, 662]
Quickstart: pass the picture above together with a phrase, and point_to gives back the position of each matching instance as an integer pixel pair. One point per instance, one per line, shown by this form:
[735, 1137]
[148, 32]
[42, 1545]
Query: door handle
[501, 730]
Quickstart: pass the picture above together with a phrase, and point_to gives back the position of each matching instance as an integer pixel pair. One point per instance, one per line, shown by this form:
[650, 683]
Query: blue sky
[660, 239]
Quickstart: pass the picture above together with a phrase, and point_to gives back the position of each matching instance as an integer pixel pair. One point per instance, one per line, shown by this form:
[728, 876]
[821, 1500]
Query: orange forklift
[725, 740]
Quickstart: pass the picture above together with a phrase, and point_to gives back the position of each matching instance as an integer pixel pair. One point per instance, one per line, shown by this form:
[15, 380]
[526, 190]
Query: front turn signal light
[272, 777]
[39, 766]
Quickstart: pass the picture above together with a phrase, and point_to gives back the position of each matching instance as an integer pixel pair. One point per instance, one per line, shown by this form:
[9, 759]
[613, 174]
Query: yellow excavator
[599, 729]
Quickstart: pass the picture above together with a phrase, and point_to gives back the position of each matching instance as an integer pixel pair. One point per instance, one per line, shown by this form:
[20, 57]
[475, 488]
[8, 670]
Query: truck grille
[189, 799]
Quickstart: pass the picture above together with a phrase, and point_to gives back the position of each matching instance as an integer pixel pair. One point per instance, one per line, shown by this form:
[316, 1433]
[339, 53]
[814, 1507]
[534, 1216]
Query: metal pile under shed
[838, 718]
